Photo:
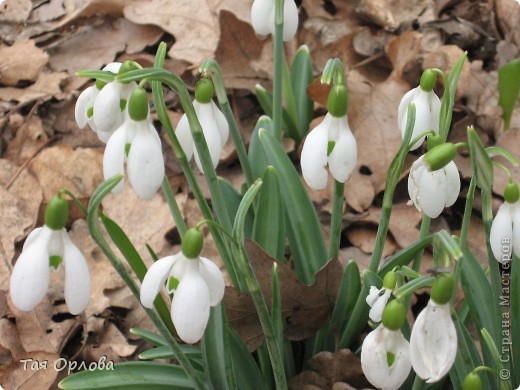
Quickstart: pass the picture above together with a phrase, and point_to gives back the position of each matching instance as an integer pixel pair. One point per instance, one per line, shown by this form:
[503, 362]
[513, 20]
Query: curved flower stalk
[47, 248]
[385, 354]
[213, 122]
[504, 236]
[195, 282]
[330, 143]
[427, 108]
[137, 140]
[432, 186]
[263, 15]
[433, 342]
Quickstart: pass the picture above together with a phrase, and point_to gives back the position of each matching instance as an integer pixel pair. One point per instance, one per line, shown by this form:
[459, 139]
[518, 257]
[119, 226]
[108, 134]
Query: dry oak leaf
[193, 23]
[306, 308]
[21, 61]
[47, 86]
[15, 10]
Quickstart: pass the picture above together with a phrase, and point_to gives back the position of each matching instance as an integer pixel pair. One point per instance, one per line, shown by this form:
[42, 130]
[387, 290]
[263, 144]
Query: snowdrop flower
[263, 14]
[44, 249]
[137, 139]
[433, 342]
[195, 281]
[427, 108]
[214, 125]
[377, 298]
[433, 182]
[385, 354]
[505, 230]
[330, 143]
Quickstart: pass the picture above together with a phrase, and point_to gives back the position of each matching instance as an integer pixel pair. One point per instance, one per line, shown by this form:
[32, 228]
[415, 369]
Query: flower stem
[425, 228]
[278, 56]
[174, 207]
[467, 213]
[337, 218]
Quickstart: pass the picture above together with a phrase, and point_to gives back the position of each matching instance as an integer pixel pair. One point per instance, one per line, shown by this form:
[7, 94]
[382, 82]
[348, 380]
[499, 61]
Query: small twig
[368, 60]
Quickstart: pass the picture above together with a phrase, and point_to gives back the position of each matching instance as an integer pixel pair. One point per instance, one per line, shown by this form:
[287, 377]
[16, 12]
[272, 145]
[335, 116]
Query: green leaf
[404, 256]
[130, 376]
[165, 352]
[265, 98]
[243, 211]
[303, 228]
[102, 75]
[508, 89]
[480, 161]
[448, 100]
[301, 77]
[256, 155]
[151, 337]
[498, 151]
[269, 223]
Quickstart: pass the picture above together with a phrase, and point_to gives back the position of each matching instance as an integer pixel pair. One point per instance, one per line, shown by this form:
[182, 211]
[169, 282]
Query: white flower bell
[145, 161]
[330, 143]
[433, 186]
[263, 15]
[195, 281]
[505, 230]
[44, 249]
[385, 354]
[433, 342]
[378, 298]
[214, 125]
[427, 108]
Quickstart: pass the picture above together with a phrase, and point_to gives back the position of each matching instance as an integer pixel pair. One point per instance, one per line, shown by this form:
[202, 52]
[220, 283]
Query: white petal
[290, 19]
[31, 238]
[432, 199]
[435, 111]
[77, 277]
[262, 17]
[343, 158]
[190, 305]
[82, 106]
[30, 277]
[516, 229]
[314, 155]
[214, 279]
[107, 108]
[221, 123]
[55, 244]
[154, 279]
[114, 157]
[376, 312]
[211, 133]
[372, 296]
[113, 67]
[501, 234]
[184, 136]
[422, 117]
[403, 108]
[452, 183]
[145, 161]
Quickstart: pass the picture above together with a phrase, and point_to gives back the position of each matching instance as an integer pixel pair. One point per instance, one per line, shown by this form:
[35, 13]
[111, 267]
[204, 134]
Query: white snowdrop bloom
[214, 127]
[263, 14]
[47, 249]
[377, 299]
[505, 232]
[432, 191]
[385, 358]
[427, 108]
[137, 141]
[433, 342]
[196, 284]
[316, 154]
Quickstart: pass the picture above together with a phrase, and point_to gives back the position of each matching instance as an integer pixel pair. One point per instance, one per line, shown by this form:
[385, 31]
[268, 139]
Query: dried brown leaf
[390, 14]
[47, 86]
[21, 61]
[15, 10]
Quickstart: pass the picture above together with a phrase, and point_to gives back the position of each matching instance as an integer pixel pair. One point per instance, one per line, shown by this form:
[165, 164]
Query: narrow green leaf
[491, 345]
[416, 284]
[151, 337]
[303, 228]
[480, 161]
[508, 89]
[256, 155]
[102, 75]
[498, 151]
[165, 352]
[276, 309]
[404, 256]
[243, 210]
[301, 77]
[269, 223]
[265, 98]
[448, 100]
[130, 376]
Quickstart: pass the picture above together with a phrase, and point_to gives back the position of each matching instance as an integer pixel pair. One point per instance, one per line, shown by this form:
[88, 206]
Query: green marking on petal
[330, 147]
[55, 261]
[390, 358]
[122, 104]
[173, 283]
[127, 149]
[100, 84]
[90, 112]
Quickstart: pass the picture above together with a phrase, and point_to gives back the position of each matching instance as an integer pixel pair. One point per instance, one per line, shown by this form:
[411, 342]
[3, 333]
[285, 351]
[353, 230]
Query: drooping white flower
[196, 284]
[316, 155]
[432, 191]
[214, 127]
[504, 236]
[433, 342]
[385, 358]
[427, 108]
[377, 299]
[137, 141]
[47, 249]
[263, 14]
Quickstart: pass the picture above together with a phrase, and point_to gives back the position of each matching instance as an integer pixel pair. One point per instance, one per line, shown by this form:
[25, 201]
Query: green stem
[467, 213]
[278, 68]
[337, 219]
[74, 199]
[425, 229]
[174, 207]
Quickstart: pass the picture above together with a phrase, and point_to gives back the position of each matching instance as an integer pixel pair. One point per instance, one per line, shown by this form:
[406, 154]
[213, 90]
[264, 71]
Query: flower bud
[511, 192]
[442, 289]
[390, 280]
[192, 243]
[338, 101]
[440, 156]
[57, 213]
[434, 140]
[127, 66]
[472, 382]
[394, 315]
[204, 91]
[428, 80]
[138, 104]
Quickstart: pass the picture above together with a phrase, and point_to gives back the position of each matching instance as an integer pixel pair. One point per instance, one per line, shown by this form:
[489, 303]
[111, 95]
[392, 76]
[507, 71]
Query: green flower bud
[434, 140]
[390, 280]
[192, 243]
[428, 80]
[57, 213]
[394, 315]
[511, 192]
[204, 91]
[472, 382]
[338, 101]
[138, 104]
[440, 156]
[127, 66]
[442, 289]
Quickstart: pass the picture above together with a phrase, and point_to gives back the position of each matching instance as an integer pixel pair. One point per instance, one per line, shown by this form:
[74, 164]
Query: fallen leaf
[21, 61]
[403, 51]
[30, 137]
[364, 238]
[48, 11]
[391, 14]
[15, 10]
[46, 87]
